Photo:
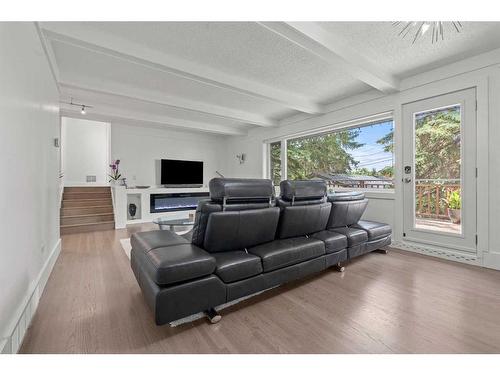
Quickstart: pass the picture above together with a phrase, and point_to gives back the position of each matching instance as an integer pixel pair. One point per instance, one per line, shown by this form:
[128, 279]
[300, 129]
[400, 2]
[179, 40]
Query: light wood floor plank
[395, 303]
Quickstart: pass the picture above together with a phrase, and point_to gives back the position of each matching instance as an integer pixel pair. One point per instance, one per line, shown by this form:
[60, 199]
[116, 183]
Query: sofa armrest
[147, 241]
[188, 235]
[175, 263]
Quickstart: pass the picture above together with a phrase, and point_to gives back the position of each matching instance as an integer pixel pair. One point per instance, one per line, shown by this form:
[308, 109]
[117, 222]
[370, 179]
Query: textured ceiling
[381, 43]
[80, 65]
[244, 49]
[233, 76]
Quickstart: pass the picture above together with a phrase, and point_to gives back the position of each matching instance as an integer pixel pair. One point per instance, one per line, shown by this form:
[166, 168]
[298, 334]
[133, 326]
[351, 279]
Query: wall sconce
[241, 157]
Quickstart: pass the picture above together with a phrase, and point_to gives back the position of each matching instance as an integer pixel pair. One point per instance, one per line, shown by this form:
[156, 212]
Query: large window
[360, 157]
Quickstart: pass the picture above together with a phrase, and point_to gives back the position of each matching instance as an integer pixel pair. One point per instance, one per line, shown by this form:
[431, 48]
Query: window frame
[351, 124]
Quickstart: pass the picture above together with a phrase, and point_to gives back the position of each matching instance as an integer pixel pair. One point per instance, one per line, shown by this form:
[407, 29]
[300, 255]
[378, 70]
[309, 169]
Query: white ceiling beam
[122, 91]
[154, 97]
[113, 114]
[315, 39]
[133, 52]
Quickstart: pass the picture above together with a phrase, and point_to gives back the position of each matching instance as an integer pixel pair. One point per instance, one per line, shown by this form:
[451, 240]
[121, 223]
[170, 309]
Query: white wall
[492, 257]
[85, 151]
[482, 72]
[29, 166]
[138, 147]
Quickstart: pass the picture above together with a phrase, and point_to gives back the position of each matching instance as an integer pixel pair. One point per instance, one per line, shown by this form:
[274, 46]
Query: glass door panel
[437, 160]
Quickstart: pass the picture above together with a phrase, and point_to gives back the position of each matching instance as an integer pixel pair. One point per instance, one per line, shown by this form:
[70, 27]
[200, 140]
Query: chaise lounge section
[245, 241]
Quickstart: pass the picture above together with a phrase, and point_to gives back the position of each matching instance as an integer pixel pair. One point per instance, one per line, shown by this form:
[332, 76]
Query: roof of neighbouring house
[346, 177]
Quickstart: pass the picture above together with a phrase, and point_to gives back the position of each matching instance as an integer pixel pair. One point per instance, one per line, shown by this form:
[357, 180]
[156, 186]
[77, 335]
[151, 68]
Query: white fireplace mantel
[122, 196]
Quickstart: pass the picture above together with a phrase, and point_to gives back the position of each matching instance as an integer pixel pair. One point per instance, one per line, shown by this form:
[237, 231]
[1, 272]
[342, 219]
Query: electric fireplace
[175, 201]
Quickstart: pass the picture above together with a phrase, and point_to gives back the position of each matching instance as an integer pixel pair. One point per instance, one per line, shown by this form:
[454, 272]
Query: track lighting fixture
[83, 107]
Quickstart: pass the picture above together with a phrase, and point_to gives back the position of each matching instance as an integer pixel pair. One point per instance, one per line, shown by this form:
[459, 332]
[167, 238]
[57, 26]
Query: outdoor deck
[437, 225]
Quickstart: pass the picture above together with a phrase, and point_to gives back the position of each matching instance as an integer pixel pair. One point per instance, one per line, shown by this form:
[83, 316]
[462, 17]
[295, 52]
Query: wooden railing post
[420, 200]
[432, 193]
[437, 200]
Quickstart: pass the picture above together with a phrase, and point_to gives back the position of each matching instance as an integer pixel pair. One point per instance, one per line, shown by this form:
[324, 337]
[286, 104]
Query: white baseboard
[22, 319]
[438, 252]
[491, 260]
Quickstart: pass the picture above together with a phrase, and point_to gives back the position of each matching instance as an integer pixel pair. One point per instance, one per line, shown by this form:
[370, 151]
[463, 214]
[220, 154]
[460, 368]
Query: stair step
[91, 227]
[70, 211]
[86, 202]
[86, 219]
[91, 195]
[87, 189]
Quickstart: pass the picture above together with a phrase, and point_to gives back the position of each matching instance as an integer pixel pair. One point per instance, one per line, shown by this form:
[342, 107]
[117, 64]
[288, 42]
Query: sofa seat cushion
[146, 241]
[289, 251]
[374, 229]
[176, 263]
[355, 236]
[236, 265]
[333, 241]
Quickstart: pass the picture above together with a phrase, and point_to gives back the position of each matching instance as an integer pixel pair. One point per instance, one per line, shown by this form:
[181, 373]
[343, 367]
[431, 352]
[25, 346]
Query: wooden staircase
[86, 209]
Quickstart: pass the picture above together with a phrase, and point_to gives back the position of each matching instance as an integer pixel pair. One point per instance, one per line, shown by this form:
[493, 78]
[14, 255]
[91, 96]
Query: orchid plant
[115, 174]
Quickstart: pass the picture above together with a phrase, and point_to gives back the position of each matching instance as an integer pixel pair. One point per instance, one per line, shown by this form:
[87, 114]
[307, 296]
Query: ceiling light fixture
[416, 29]
[83, 107]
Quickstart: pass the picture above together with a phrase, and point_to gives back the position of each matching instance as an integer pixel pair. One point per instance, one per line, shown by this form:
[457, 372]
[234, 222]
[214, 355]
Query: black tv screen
[181, 172]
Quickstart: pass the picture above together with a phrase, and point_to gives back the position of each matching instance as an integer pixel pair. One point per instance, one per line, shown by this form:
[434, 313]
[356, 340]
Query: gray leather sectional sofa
[245, 241]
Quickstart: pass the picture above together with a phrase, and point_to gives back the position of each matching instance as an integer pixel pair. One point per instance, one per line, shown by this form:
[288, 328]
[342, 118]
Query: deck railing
[430, 195]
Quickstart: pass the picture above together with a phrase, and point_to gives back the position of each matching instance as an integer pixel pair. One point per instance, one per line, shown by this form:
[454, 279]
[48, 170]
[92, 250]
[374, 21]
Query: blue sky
[372, 155]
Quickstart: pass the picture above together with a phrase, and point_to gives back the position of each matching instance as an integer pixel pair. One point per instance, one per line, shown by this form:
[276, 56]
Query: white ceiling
[227, 77]
[403, 58]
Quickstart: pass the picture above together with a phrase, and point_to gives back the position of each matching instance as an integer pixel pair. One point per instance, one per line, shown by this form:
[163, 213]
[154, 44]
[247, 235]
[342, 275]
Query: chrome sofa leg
[213, 316]
[340, 267]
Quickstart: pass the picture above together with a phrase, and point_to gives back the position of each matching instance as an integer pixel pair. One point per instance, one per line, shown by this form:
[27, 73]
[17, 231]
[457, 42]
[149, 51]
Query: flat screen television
[181, 172]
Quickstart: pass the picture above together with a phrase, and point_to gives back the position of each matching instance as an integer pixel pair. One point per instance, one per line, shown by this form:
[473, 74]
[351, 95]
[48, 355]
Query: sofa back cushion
[302, 219]
[238, 230]
[342, 195]
[345, 213]
[231, 194]
[302, 190]
[241, 189]
[203, 211]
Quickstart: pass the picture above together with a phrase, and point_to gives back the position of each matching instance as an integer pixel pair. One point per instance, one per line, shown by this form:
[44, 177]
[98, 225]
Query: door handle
[407, 180]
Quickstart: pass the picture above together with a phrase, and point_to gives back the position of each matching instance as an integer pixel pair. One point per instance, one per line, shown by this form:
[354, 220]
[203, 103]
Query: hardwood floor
[395, 303]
